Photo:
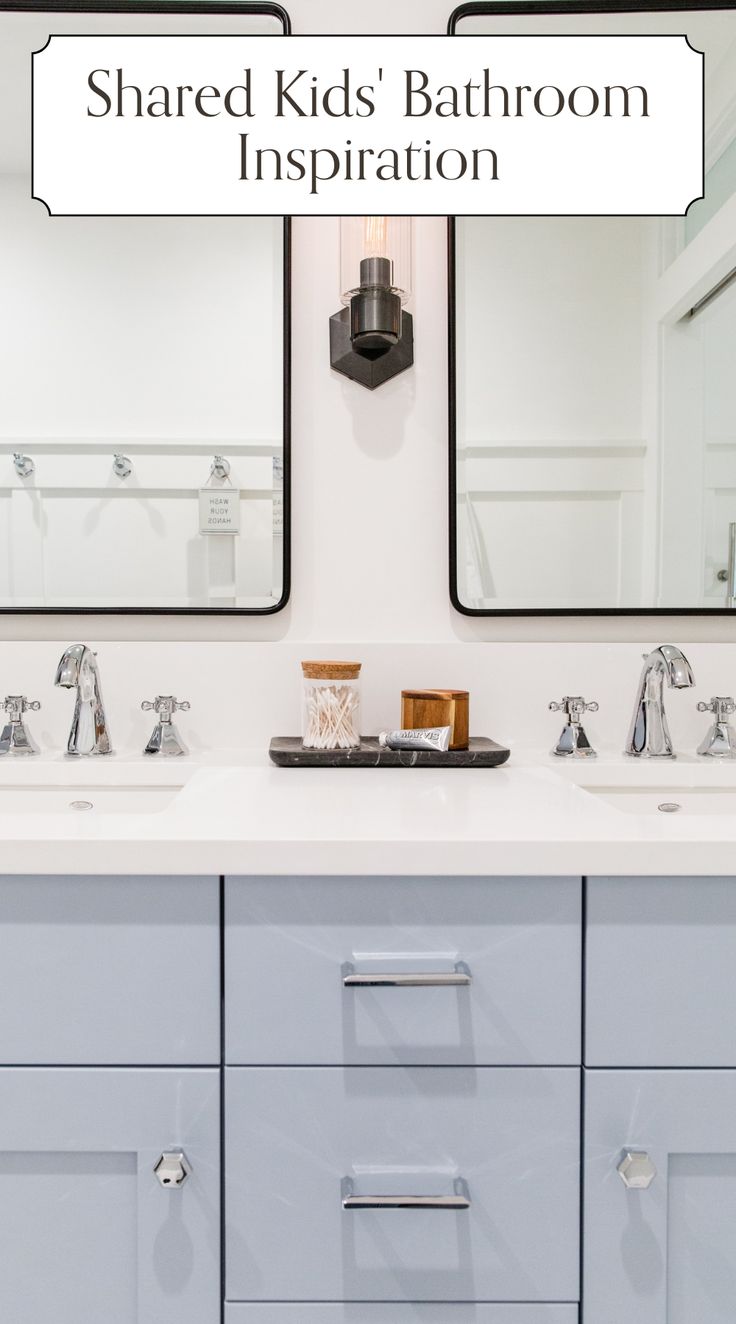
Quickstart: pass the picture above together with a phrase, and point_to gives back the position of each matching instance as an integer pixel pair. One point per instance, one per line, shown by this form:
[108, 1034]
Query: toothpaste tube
[429, 737]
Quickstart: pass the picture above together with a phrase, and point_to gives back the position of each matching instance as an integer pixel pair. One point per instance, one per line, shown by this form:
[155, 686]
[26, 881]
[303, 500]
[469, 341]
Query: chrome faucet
[649, 735]
[78, 670]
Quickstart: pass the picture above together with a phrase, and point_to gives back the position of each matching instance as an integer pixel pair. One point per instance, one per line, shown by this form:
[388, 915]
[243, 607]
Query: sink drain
[669, 807]
[81, 804]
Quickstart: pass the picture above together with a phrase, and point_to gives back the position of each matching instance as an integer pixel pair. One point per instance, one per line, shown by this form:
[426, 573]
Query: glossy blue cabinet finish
[665, 1255]
[508, 1136]
[87, 1234]
[661, 972]
[289, 942]
[370, 1313]
[120, 971]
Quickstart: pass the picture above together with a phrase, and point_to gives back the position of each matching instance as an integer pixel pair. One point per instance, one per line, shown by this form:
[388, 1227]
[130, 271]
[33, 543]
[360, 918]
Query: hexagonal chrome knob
[636, 1170]
[172, 1169]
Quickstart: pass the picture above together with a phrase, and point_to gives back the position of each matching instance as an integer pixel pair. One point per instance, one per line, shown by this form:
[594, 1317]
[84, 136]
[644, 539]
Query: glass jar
[331, 705]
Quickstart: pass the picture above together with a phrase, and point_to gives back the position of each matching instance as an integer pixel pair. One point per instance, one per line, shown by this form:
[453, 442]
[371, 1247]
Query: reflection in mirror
[595, 381]
[135, 351]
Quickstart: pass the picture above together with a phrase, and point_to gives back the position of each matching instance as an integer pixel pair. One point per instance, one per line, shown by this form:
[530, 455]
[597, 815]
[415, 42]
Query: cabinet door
[88, 1235]
[665, 1254]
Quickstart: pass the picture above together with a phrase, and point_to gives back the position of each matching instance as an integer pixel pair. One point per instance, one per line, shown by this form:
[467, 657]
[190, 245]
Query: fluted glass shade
[387, 237]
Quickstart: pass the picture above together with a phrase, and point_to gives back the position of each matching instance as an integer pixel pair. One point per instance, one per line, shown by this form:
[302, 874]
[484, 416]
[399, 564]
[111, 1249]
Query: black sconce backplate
[369, 372]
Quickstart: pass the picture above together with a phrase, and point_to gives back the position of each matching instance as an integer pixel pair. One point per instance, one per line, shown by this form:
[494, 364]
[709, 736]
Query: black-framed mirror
[592, 373]
[145, 419]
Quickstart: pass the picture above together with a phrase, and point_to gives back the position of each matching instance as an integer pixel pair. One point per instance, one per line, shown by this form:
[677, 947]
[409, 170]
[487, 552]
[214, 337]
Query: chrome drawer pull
[405, 1202]
[460, 1200]
[460, 977]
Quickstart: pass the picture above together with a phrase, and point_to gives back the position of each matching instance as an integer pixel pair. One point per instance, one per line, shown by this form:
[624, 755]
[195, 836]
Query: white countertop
[236, 813]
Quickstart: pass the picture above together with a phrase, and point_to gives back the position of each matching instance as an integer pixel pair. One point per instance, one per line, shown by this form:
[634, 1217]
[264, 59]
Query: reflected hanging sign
[255, 125]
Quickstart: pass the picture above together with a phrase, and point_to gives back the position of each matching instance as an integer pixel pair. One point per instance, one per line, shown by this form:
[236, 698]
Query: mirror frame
[490, 8]
[205, 7]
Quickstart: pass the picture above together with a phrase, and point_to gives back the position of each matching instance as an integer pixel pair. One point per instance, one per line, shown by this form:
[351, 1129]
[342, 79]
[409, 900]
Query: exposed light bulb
[374, 235]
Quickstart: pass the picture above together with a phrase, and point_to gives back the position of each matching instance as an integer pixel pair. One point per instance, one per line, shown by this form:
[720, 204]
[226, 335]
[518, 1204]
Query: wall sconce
[372, 337]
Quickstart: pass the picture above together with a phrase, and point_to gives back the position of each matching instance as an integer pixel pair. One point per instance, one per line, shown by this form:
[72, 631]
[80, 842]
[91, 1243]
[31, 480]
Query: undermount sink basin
[663, 788]
[81, 800]
[667, 799]
[89, 787]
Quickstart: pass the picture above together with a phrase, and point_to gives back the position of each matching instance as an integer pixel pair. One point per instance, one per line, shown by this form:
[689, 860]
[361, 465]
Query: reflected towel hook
[220, 468]
[122, 465]
[24, 465]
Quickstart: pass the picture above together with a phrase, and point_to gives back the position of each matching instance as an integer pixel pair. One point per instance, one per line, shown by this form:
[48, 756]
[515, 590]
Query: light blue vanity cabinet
[120, 971]
[402, 1083]
[665, 1254]
[410, 971]
[661, 972]
[87, 1233]
[308, 1148]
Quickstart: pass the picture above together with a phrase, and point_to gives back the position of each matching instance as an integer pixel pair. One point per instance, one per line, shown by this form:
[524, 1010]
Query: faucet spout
[649, 735]
[89, 732]
[675, 665]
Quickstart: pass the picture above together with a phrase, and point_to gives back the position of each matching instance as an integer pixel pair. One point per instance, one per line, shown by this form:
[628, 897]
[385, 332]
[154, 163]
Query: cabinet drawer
[302, 1141]
[109, 971]
[661, 972]
[370, 1313]
[512, 943]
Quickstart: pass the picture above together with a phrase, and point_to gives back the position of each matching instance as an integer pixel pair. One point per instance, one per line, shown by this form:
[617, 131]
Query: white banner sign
[367, 125]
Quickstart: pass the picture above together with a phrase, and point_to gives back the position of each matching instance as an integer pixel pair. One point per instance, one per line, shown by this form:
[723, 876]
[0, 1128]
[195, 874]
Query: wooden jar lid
[331, 670]
[435, 694]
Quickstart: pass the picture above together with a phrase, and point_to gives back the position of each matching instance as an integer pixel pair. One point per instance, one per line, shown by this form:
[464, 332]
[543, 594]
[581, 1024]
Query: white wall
[370, 545]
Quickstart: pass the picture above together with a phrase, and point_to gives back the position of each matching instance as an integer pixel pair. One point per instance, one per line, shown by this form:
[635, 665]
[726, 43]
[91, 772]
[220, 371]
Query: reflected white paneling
[548, 568]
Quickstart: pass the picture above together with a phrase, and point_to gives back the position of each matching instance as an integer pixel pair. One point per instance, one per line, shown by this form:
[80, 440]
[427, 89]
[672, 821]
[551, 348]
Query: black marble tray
[288, 752]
